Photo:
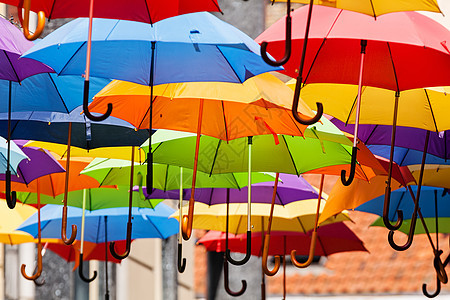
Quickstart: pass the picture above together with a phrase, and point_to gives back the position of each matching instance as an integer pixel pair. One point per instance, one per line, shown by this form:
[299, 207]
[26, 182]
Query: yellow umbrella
[420, 108]
[11, 219]
[375, 7]
[122, 152]
[296, 216]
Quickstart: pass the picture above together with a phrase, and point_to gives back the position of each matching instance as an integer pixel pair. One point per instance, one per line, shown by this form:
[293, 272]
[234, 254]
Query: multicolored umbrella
[337, 51]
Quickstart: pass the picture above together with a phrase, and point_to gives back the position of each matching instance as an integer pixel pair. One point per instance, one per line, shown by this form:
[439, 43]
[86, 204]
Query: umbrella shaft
[249, 189]
[89, 41]
[180, 206]
[83, 218]
[358, 102]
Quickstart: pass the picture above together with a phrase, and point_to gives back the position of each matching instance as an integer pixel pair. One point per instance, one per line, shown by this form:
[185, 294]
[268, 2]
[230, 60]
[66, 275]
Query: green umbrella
[165, 177]
[98, 198]
[322, 145]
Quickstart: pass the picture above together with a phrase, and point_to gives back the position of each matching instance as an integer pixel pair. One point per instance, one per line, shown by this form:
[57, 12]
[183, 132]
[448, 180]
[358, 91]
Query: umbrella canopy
[11, 219]
[378, 7]
[16, 156]
[401, 199]
[258, 106]
[53, 184]
[46, 92]
[148, 11]
[13, 45]
[296, 216]
[96, 198]
[322, 145]
[167, 177]
[39, 163]
[342, 197]
[192, 47]
[91, 251]
[149, 223]
[405, 50]
[290, 188]
[332, 238]
[419, 108]
[53, 127]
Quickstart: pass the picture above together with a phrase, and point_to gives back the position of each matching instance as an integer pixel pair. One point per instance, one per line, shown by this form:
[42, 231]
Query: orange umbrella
[348, 197]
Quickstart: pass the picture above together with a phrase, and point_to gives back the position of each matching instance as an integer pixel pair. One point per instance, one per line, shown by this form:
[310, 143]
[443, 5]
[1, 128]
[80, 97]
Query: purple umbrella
[40, 163]
[12, 45]
[291, 188]
[407, 137]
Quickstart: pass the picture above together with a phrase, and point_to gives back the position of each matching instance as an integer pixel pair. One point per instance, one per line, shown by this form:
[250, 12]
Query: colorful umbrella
[149, 222]
[142, 11]
[339, 39]
[421, 141]
[434, 213]
[13, 72]
[39, 163]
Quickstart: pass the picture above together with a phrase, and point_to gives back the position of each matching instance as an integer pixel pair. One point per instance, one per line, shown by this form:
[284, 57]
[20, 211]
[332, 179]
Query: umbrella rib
[351, 109]
[404, 157]
[431, 109]
[294, 122]
[370, 135]
[215, 157]
[290, 155]
[148, 11]
[59, 94]
[106, 176]
[234, 71]
[393, 66]
[211, 196]
[321, 244]
[373, 9]
[51, 10]
[97, 239]
[73, 55]
[52, 185]
[167, 176]
[321, 46]
[12, 67]
[149, 219]
[398, 204]
[224, 121]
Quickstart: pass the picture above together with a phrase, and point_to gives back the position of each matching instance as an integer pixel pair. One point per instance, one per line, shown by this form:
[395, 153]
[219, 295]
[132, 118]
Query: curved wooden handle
[39, 266]
[64, 228]
[312, 250]
[265, 256]
[25, 4]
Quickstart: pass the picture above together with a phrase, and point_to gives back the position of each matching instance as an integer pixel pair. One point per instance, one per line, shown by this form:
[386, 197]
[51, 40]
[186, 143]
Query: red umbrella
[397, 51]
[332, 238]
[149, 11]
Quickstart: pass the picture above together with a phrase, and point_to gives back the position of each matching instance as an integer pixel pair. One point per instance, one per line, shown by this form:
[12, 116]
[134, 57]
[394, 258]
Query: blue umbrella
[60, 127]
[434, 203]
[150, 223]
[191, 47]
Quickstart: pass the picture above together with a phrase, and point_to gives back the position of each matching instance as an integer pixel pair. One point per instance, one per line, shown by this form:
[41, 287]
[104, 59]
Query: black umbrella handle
[437, 292]
[86, 104]
[11, 196]
[80, 271]
[181, 261]
[248, 254]
[288, 42]
[226, 282]
[128, 245]
[348, 181]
